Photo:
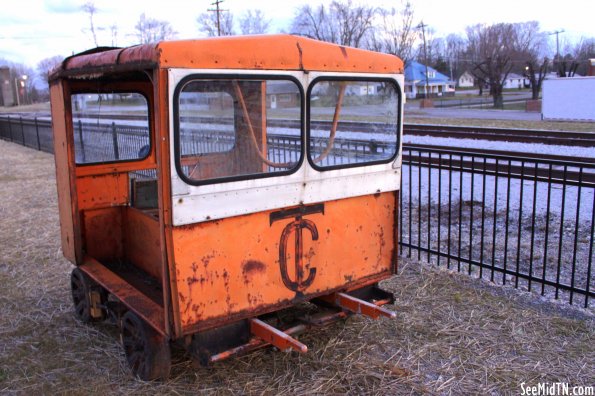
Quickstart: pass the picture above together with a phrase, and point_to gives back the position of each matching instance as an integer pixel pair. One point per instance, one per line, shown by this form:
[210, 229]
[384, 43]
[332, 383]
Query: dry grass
[35, 107]
[453, 334]
[413, 118]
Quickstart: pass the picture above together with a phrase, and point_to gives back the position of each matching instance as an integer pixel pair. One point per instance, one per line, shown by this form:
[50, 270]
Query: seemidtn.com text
[556, 389]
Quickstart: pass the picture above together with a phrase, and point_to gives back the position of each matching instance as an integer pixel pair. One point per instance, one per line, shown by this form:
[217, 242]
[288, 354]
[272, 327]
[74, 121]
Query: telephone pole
[557, 33]
[422, 26]
[218, 11]
[557, 57]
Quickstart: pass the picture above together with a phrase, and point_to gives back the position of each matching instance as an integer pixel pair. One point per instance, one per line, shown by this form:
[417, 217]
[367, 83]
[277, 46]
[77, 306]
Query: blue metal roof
[416, 72]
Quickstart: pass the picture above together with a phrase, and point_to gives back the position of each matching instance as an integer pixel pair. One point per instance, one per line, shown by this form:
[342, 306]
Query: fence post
[37, 134]
[115, 140]
[22, 131]
[10, 129]
[82, 142]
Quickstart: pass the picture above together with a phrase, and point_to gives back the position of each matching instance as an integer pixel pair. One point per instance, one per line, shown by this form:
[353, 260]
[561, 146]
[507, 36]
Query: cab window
[110, 127]
[237, 128]
[352, 122]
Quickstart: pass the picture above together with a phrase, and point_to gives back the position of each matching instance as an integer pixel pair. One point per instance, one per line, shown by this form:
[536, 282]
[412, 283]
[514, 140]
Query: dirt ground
[452, 335]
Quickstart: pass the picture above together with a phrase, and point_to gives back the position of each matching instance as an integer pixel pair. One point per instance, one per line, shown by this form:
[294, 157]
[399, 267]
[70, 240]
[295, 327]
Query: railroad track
[556, 169]
[562, 138]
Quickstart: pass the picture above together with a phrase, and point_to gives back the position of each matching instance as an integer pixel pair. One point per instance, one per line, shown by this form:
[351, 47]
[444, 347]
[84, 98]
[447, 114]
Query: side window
[110, 127]
[353, 122]
[237, 128]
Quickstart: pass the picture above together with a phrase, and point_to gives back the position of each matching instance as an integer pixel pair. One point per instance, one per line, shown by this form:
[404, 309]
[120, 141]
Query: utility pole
[218, 11]
[557, 33]
[422, 26]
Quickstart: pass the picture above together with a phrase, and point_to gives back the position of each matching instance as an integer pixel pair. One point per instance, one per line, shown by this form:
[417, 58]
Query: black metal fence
[524, 222]
[103, 142]
[521, 221]
[35, 133]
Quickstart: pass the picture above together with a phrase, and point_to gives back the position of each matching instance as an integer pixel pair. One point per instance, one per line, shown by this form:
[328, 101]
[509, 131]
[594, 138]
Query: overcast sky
[31, 30]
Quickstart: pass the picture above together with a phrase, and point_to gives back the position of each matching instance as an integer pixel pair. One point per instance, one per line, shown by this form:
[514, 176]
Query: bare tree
[396, 34]
[529, 43]
[454, 53]
[150, 30]
[90, 9]
[45, 66]
[436, 47]
[341, 22]
[535, 72]
[207, 23]
[582, 52]
[254, 22]
[491, 56]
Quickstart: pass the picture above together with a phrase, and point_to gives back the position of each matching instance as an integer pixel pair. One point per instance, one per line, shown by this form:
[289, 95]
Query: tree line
[488, 52]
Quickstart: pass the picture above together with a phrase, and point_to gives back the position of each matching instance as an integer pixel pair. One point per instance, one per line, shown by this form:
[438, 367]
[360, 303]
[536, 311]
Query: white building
[466, 80]
[514, 81]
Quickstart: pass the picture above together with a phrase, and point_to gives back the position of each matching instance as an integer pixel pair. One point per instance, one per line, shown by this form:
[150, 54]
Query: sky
[31, 30]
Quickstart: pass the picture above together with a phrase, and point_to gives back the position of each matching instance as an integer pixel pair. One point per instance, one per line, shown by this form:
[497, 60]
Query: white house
[466, 80]
[514, 81]
[362, 88]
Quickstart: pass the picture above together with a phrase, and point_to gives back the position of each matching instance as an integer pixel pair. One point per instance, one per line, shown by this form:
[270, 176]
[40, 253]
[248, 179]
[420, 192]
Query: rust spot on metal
[344, 52]
[251, 266]
[301, 63]
[205, 260]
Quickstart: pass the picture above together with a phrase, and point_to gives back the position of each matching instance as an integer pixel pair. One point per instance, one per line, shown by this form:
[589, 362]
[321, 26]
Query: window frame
[116, 91]
[228, 77]
[397, 87]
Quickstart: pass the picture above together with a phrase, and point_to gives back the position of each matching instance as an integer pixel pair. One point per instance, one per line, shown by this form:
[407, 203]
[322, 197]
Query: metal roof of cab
[268, 52]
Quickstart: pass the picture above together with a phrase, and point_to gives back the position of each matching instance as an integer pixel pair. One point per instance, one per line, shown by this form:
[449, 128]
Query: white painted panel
[570, 98]
[193, 204]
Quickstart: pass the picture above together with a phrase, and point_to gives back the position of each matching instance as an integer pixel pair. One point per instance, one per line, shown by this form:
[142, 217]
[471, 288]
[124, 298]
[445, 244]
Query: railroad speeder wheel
[147, 352]
[87, 297]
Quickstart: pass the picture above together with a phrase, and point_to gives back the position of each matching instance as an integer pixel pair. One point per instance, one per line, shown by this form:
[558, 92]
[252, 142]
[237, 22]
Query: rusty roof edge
[106, 59]
[110, 59]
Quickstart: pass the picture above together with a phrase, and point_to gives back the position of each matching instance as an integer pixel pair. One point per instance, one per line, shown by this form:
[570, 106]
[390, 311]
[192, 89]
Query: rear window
[237, 128]
[353, 122]
[110, 127]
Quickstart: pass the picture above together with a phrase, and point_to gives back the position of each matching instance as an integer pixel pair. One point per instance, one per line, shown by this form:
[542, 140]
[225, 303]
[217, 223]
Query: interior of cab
[116, 177]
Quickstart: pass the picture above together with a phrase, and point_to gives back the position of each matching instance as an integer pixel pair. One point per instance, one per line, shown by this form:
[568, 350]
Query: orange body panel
[102, 191]
[231, 268]
[64, 157]
[141, 241]
[276, 52]
[103, 233]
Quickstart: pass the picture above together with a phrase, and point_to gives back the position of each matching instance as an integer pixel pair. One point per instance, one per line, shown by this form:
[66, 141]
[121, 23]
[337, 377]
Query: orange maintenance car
[227, 194]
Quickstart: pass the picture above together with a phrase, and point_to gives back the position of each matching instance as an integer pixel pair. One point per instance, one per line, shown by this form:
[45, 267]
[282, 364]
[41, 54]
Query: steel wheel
[81, 287]
[147, 352]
